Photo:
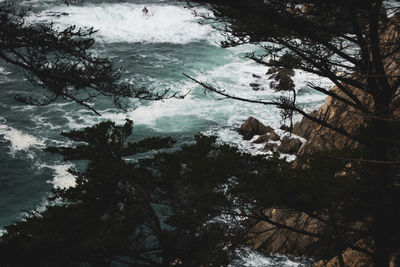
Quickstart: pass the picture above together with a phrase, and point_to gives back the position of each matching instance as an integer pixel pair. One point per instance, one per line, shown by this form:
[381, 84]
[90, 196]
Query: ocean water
[154, 50]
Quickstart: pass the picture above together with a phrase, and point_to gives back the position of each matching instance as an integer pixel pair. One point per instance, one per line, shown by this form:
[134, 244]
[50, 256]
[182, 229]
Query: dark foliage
[354, 45]
[61, 62]
[154, 212]
[193, 206]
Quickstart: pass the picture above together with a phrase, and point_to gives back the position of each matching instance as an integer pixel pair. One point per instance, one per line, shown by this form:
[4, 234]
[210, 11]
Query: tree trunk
[383, 174]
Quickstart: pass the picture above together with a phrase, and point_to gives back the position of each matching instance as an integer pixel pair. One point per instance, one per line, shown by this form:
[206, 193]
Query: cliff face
[320, 138]
[343, 116]
[273, 239]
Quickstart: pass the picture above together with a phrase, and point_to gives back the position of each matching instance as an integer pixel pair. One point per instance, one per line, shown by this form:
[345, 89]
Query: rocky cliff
[341, 115]
[318, 138]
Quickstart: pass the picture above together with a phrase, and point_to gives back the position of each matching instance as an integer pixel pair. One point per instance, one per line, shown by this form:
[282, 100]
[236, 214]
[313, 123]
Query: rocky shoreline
[271, 239]
[305, 138]
[286, 142]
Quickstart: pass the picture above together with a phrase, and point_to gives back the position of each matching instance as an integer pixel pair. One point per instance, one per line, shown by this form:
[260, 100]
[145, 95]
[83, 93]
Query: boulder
[272, 239]
[350, 257]
[252, 127]
[285, 128]
[266, 137]
[285, 72]
[281, 77]
[268, 236]
[274, 136]
[270, 147]
[256, 76]
[282, 83]
[255, 86]
[262, 139]
[354, 258]
[289, 145]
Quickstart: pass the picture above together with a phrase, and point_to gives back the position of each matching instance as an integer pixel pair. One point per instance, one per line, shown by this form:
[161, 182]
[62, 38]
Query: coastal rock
[285, 128]
[355, 258]
[281, 77]
[255, 86]
[266, 137]
[262, 139]
[337, 114]
[309, 240]
[270, 147]
[343, 116]
[271, 70]
[283, 83]
[252, 127]
[304, 127]
[350, 257]
[273, 239]
[274, 136]
[256, 76]
[280, 72]
[289, 145]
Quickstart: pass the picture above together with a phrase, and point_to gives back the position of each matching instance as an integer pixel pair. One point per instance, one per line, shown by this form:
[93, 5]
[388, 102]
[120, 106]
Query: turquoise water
[154, 50]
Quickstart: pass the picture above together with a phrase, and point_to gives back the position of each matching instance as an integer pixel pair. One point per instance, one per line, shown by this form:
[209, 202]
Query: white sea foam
[126, 22]
[236, 77]
[392, 7]
[45, 122]
[223, 117]
[4, 75]
[250, 258]
[62, 178]
[19, 141]
[3, 71]
[2, 231]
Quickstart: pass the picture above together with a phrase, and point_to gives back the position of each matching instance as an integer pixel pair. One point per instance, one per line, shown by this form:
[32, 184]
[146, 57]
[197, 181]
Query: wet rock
[286, 72]
[281, 77]
[262, 139]
[274, 136]
[282, 83]
[252, 127]
[274, 239]
[256, 76]
[289, 145]
[304, 127]
[255, 86]
[266, 137]
[270, 147]
[271, 70]
[280, 72]
[285, 128]
[57, 14]
[351, 257]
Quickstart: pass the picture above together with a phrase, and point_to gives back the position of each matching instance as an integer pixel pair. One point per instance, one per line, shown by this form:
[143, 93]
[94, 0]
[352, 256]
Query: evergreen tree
[62, 62]
[354, 44]
[154, 212]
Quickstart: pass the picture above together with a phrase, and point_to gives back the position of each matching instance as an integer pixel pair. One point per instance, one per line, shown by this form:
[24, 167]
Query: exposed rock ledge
[288, 144]
[264, 235]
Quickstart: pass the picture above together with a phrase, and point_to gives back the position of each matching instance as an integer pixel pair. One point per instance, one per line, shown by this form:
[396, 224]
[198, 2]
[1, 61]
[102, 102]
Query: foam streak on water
[26, 144]
[62, 177]
[248, 258]
[19, 141]
[126, 22]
